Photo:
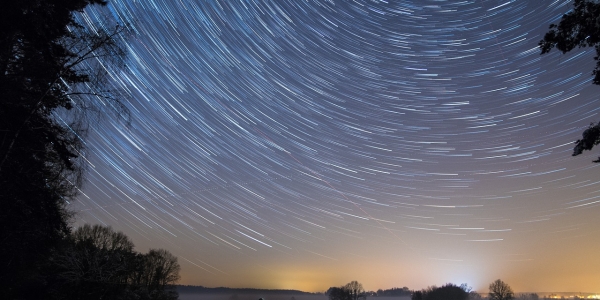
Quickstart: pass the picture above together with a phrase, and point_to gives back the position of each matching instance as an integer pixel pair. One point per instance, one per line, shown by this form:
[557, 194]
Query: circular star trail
[421, 142]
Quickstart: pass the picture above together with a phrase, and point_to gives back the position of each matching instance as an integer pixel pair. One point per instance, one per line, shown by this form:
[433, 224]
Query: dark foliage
[499, 290]
[417, 295]
[46, 64]
[578, 28]
[394, 292]
[351, 291]
[338, 293]
[99, 263]
[589, 139]
[448, 291]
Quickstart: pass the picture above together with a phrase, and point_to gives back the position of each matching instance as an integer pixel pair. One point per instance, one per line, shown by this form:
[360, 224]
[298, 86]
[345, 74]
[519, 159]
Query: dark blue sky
[397, 143]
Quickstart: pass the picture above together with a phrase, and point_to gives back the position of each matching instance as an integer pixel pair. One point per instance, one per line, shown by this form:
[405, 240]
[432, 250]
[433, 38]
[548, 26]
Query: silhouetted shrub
[448, 291]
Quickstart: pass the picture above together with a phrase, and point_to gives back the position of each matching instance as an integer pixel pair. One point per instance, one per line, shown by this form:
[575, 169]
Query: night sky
[302, 144]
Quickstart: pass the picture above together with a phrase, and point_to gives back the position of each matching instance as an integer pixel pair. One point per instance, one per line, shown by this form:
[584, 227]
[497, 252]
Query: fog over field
[201, 296]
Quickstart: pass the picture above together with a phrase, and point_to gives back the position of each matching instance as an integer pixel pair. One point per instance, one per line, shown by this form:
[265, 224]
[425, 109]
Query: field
[220, 296]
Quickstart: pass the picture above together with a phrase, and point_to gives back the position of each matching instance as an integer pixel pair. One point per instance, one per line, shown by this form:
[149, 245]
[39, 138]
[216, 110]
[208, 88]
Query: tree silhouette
[355, 290]
[49, 64]
[417, 295]
[448, 291]
[351, 291]
[161, 271]
[338, 293]
[499, 290]
[578, 28]
[100, 263]
[102, 237]
[394, 292]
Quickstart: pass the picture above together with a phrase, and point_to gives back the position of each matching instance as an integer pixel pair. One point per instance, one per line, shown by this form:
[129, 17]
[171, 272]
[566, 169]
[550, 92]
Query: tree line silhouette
[498, 290]
[52, 79]
[53, 72]
[97, 262]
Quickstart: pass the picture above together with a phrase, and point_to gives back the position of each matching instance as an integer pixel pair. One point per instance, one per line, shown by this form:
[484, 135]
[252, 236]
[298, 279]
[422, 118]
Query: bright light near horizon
[574, 297]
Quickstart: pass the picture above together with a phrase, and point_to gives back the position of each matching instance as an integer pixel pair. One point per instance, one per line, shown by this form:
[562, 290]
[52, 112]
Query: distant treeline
[189, 289]
[393, 292]
[193, 289]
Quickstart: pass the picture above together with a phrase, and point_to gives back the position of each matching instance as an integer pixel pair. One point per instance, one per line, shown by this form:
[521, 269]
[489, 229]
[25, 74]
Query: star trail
[306, 143]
